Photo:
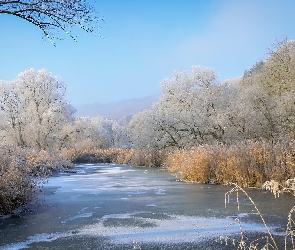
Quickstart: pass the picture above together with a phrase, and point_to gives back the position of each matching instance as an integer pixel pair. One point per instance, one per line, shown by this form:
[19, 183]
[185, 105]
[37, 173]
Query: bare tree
[86, 132]
[51, 16]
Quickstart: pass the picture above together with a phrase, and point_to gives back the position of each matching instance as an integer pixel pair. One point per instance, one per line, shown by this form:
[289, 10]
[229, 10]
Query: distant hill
[117, 110]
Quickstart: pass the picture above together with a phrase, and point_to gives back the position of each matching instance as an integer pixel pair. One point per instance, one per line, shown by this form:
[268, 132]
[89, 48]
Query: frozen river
[123, 207]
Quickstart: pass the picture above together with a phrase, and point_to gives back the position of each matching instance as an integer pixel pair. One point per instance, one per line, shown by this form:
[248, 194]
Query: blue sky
[144, 41]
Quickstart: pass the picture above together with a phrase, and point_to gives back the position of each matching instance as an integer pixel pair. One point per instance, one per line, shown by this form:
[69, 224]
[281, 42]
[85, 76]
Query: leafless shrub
[22, 174]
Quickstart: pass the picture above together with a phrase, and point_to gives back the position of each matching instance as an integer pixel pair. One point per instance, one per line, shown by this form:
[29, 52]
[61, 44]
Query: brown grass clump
[125, 156]
[190, 165]
[240, 164]
[148, 158]
[248, 164]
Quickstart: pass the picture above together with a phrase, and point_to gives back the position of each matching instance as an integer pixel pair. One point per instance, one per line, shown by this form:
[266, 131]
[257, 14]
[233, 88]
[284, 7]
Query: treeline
[34, 113]
[195, 109]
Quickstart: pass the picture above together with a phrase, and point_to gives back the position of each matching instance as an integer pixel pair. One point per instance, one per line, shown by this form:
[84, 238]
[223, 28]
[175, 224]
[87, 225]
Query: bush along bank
[248, 164]
[22, 174]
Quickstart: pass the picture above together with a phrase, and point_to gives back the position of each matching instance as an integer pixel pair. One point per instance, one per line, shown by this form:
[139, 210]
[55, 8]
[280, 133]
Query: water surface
[124, 207]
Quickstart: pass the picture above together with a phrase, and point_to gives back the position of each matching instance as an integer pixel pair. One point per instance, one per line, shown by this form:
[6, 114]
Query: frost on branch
[52, 16]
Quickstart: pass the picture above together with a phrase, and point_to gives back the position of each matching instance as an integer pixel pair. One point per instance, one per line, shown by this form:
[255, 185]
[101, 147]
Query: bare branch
[51, 16]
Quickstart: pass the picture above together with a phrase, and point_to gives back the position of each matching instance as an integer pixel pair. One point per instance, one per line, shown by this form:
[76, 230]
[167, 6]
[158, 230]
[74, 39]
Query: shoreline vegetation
[249, 164]
[23, 172]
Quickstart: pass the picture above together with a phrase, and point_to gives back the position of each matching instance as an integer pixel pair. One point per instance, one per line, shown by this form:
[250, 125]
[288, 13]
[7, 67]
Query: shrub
[22, 174]
[15, 188]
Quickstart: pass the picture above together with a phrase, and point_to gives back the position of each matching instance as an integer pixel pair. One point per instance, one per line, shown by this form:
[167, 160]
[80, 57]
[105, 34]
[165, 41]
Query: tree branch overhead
[51, 16]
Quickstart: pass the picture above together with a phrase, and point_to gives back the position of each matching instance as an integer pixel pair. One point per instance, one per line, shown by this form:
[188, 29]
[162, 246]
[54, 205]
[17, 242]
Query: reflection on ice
[84, 215]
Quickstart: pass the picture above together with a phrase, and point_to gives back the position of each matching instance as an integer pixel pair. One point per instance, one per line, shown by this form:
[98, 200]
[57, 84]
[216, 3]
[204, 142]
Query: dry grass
[266, 241]
[190, 165]
[247, 164]
[148, 158]
[244, 242]
[22, 173]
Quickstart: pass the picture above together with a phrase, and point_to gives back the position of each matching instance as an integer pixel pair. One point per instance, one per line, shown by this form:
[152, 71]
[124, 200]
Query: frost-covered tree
[34, 109]
[269, 94]
[86, 132]
[189, 108]
[52, 16]
[144, 133]
[11, 119]
[120, 136]
[195, 109]
[187, 114]
[256, 68]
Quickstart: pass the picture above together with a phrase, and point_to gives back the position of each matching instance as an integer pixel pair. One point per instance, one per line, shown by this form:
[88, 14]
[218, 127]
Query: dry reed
[248, 164]
[148, 158]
